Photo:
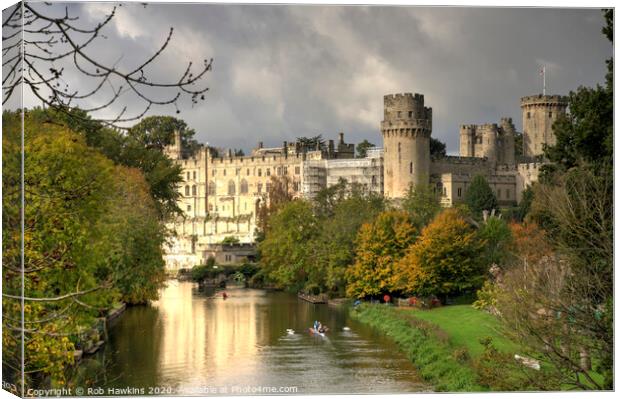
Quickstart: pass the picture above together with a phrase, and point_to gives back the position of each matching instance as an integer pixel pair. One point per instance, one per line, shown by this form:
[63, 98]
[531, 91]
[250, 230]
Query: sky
[281, 72]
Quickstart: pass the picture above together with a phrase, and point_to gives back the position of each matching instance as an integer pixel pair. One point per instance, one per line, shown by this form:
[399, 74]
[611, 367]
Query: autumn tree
[379, 246]
[445, 260]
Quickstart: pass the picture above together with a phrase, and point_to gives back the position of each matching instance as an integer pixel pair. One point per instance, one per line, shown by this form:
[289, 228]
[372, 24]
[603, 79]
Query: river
[190, 342]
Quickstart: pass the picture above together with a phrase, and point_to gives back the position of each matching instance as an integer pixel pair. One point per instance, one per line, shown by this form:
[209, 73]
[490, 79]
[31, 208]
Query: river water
[191, 342]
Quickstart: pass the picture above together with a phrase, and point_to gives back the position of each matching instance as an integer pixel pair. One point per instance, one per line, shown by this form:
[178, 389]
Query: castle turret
[489, 132]
[508, 141]
[406, 129]
[468, 140]
[539, 113]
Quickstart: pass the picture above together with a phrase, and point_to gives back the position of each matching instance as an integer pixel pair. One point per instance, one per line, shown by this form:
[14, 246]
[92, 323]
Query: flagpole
[544, 82]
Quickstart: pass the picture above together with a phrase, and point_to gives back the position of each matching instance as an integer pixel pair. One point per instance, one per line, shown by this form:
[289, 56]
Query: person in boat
[315, 325]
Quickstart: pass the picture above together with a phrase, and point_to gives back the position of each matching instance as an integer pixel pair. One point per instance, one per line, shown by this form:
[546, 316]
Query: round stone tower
[406, 129]
[539, 112]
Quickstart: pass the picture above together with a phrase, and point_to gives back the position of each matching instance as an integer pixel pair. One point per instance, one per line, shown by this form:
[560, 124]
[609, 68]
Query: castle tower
[539, 112]
[508, 141]
[467, 140]
[406, 130]
[490, 134]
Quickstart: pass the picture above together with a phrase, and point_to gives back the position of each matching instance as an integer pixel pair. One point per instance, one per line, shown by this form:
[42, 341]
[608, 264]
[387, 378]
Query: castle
[221, 194]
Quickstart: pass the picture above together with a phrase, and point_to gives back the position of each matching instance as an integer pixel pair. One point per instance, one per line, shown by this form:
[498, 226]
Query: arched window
[244, 187]
[187, 191]
[194, 191]
[211, 188]
[231, 187]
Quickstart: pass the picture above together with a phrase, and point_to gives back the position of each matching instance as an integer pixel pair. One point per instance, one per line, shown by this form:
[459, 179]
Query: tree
[438, 148]
[311, 143]
[158, 132]
[339, 226]
[284, 254]
[56, 49]
[525, 204]
[496, 236]
[278, 194]
[422, 204]
[362, 148]
[230, 240]
[445, 260]
[518, 145]
[585, 134]
[479, 196]
[379, 246]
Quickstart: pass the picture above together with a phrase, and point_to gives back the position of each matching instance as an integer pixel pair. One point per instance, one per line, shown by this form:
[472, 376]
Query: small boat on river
[315, 331]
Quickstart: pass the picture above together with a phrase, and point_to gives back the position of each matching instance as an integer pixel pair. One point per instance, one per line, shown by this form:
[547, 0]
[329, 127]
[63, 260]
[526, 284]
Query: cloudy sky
[281, 72]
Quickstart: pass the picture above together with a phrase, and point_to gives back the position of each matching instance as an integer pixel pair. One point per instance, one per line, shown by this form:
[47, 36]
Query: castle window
[187, 176]
[458, 192]
[285, 170]
[279, 171]
[244, 187]
[189, 208]
[445, 192]
[187, 191]
[399, 147]
[260, 172]
[194, 175]
[194, 191]
[237, 171]
[212, 188]
[297, 170]
[231, 187]
[224, 172]
[411, 114]
[268, 172]
[528, 115]
[259, 187]
[411, 167]
[267, 187]
[550, 114]
[248, 173]
[213, 172]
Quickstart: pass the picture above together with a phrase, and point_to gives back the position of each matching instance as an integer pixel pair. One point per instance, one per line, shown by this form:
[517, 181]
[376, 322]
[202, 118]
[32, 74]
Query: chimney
[260, 144]
[285, 148]
[341, 135]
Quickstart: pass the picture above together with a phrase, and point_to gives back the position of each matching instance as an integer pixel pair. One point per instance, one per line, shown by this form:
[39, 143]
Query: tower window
[411, 114]
[194, 175]
[458, 192]
[550, 114]
[194, 191]
[189, 208]
[260, 172]
[528, 115]
[411, 167]
[398, 147]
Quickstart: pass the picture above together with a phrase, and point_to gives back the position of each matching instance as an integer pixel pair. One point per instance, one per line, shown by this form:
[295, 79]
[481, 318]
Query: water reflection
[191, 339]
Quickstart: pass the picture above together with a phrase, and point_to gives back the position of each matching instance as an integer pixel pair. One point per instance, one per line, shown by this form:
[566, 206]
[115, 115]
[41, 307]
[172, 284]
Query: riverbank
[427, 347]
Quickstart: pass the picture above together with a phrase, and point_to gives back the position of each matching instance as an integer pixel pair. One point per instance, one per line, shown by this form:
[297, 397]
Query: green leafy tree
[230, 240]
[445, 259]
[158, 132]
[362, 148]
[438, 148]
[379, 247]
[422, 204]
[285, 255]
[496, 236]
[479, 196]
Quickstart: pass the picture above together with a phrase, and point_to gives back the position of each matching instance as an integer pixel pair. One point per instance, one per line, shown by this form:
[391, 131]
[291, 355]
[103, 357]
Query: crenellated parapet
[546, 100]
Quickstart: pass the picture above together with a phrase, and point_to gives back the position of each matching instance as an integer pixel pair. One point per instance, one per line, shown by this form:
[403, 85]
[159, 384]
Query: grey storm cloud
[281, 72]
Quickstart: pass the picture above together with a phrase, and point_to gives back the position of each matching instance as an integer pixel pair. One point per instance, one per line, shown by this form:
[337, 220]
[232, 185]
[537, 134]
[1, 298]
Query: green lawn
[466, 326]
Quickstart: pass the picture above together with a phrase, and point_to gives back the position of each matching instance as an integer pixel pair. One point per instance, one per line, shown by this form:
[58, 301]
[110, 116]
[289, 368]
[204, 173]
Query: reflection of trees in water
[137, 336]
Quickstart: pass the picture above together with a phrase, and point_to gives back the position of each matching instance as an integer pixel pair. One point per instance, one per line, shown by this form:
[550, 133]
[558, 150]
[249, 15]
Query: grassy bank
[466, 326]
[426, 345]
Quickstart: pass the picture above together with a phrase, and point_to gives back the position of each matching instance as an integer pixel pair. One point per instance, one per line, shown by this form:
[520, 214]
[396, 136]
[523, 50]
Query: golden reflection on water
[190, 339]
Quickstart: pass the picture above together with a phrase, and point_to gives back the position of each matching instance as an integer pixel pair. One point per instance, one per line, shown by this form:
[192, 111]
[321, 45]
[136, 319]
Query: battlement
[539, 99]
[405, 106]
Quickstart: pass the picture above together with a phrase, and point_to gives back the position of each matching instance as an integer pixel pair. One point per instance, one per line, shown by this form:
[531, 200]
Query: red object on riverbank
[224, 295]
[386, 298]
